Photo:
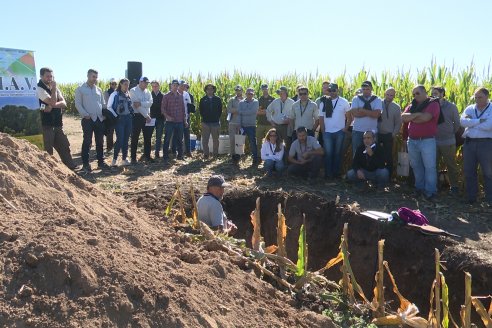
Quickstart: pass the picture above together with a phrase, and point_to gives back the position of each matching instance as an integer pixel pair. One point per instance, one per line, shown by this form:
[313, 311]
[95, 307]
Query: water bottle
[198, 145]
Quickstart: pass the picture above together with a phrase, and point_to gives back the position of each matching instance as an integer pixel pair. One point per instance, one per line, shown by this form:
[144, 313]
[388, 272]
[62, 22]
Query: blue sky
[267, 37]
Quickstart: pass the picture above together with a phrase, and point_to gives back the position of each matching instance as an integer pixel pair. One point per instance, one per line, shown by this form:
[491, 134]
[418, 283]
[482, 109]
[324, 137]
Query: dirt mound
[74, 256]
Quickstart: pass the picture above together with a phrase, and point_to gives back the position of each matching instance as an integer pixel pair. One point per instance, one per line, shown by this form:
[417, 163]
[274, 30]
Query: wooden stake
[437, 288]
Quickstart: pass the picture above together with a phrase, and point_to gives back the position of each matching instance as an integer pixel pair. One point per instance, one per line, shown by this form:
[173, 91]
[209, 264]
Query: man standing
[89, 101]
[234, 119]
[305, 155]
[446, 137]
[155, 112]
[366, 110]
[278, 113]
[389, 126]
[109, 124]
[420, 120]
[477, 120]
[52, 103]
[189, 109]
[210, 209]
[210, 112]
[262, 124]
[304, 113]
[174, 111]
[142, 101]
[369, 164]
[248, 108]
[334, 121]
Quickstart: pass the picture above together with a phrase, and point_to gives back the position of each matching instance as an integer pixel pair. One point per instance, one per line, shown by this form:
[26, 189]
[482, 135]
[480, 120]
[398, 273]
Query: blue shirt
[470, 120]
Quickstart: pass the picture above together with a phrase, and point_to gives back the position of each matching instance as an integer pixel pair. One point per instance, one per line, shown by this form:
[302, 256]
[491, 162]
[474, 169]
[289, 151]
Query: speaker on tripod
[134, 72]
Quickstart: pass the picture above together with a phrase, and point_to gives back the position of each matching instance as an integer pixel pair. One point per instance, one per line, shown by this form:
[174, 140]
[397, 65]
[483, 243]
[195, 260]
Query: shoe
[432, 198]
[87, 168]
[103, 166]
[156, 155]
[125, 162]
[188, 154]
[205, 157]
[417, 194]
[113, 162]
[179, 157]
[150, 160]
[134, 161]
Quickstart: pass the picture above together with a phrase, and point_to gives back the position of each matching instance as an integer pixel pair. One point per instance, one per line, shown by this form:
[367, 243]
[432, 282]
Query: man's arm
[422, 117]
[397, 122]
[79, 104]
[164, 107]
[230, 108]
[321, 122]
[456, 119]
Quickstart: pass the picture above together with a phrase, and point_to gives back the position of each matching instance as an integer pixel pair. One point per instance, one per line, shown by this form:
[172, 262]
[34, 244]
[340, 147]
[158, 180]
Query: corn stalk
[466, 308]
[301, 253]
[181, 204]
[484, 315]
[255, 220]
[281, 235]
[378, 301]
[194, 212]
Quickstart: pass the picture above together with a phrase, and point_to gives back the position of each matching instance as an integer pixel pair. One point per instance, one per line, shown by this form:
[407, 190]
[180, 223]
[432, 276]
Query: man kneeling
[210, 209]
[305, 155]
[368, 163]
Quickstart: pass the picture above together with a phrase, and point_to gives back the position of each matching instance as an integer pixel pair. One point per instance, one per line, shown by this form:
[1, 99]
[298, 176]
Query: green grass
[37, 140]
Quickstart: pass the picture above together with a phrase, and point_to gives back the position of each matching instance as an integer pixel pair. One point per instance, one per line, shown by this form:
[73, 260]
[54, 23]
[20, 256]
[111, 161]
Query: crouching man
[210, 209]
[368, 163]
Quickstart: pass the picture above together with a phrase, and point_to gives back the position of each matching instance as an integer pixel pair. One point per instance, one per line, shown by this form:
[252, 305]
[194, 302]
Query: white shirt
[366, 123]
[145, 99]
[268, 152]
[473, 127]
[307, 118]
[278, 111]
[186, 100]
[336, 122]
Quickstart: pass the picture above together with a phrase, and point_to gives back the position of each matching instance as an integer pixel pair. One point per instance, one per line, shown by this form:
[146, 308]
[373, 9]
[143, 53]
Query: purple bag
[412, 216]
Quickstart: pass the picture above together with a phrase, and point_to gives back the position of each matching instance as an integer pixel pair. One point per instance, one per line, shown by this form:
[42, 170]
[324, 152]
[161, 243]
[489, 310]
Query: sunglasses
[416, 94]
[272, 135]
[332, 90]
[303, 94]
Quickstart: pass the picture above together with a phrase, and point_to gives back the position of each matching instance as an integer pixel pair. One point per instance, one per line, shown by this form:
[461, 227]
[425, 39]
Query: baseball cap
[264, 86]
[282, 88]
[112, 80]
[217, 181]
[144, 79]
[182, 82]
[366, 84]
[250, 90]
[238, 88]
[332, 86]
[175, 82]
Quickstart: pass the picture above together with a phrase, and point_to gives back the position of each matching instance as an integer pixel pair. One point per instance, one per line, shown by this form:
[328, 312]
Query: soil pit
[410, 253]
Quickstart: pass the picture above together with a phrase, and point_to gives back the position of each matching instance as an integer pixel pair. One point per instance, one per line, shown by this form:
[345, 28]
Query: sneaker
[156, 155]
[180, 158]
[103, 166]
[113, 162]
[125, 162]
[87, 168]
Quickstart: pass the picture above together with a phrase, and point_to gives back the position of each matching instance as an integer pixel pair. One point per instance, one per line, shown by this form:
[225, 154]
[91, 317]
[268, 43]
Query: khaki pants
[448, 155]
[233, 130]
[208, 130]
[261, 131]
[54, 137]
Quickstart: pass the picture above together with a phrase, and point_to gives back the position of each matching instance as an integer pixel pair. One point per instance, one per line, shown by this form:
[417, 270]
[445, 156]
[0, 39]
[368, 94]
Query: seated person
[305, 155]
[272, 153]
[210, 209]
[368, 163]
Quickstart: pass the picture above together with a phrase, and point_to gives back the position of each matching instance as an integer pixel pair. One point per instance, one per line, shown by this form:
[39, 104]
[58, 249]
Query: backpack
[412, 216]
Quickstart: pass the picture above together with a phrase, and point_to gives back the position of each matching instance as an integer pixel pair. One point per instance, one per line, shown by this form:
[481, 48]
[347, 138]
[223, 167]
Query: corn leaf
[334, 261]
[445, 302]
[281, 232]
[271, 249]
[487, 321]
[408, 317]
[466, 308]
[194, 214]
[301, 260]
[170, 204]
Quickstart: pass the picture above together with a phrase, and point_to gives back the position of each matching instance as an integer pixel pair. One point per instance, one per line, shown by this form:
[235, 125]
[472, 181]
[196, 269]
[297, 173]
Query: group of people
[298, 133]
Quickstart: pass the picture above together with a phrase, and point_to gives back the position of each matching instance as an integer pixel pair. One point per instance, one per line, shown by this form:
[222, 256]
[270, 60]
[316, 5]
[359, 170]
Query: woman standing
[120, 103]
[272, 153]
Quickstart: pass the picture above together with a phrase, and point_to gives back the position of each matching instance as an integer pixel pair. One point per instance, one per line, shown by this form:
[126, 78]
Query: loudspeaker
[134, 72]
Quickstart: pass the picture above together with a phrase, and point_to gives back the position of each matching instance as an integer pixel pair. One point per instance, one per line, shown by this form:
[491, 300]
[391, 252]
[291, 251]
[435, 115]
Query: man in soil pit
[210, 209]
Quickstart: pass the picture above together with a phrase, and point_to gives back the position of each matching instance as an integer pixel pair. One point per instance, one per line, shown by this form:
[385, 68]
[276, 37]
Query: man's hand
[47, 109]
[483, 120]
[53, 85]
[137, 104]
[361, 175]
[468, 116]
[148, 119]
[186, 124]
[86, 117]
[369, 151]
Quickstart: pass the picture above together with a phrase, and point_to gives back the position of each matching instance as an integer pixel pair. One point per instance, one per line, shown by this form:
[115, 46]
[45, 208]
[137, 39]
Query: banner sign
[18, 78]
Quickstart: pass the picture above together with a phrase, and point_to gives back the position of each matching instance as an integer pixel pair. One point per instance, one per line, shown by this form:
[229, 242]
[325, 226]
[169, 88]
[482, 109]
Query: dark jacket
[369, 163]
[155, 109]
[210, 109]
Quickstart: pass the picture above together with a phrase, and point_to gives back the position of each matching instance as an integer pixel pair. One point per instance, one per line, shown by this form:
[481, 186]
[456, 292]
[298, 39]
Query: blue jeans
[185, 140]
[173, 128]
[356, 141]
[422, 154]
[380, 176]
[250, 132]
[269, 165]
[159, 129]
[333, 145]
[477, 152]
[123, 130]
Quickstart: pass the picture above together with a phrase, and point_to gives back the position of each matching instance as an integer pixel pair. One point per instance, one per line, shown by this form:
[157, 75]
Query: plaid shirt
[172, 107]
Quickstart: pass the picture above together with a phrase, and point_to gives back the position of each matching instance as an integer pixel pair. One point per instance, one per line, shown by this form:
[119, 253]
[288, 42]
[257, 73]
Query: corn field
[459, 85]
